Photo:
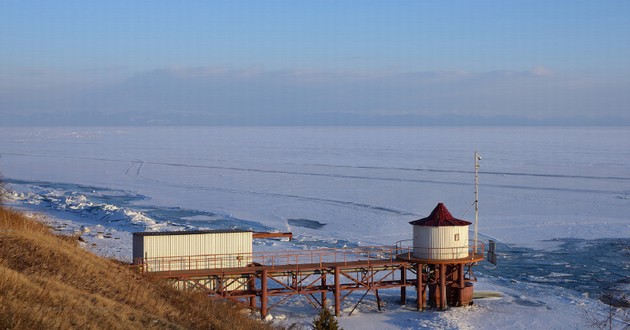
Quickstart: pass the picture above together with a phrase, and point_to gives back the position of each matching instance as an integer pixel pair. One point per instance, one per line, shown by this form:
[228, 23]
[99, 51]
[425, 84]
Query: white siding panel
[194, 250]
[439, 243]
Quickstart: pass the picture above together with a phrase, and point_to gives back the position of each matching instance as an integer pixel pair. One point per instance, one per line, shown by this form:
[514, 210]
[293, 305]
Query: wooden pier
[316, 274]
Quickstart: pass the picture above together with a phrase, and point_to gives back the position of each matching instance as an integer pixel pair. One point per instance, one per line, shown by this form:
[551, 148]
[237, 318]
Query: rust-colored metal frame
[263, 235]
[256, 282]
[314, 284]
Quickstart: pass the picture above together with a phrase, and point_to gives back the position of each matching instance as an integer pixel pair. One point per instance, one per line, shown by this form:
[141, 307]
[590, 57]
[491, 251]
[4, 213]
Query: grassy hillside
[48, 281]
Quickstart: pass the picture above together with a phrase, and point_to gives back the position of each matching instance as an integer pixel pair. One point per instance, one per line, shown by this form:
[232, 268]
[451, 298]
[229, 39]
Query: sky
[314, 62]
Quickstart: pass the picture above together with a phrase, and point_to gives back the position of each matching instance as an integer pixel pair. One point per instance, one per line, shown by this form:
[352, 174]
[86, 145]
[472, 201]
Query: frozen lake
[359, 184]
[555, 198]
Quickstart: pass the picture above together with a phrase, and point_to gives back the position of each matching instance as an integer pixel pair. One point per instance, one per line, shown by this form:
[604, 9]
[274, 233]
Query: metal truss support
[265, 287]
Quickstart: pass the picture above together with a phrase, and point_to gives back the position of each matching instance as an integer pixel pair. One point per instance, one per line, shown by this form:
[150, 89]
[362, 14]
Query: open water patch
[591, 267]
[306, 223]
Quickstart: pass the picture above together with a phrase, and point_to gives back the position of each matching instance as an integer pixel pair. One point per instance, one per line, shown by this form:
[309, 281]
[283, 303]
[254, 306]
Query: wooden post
[461, 284]
[337, 293]
[252, 303]
[403, 288]
[442, 286]
[419, 288]
[263, 294]
[220, 288]
[252, 289]
[324, 288]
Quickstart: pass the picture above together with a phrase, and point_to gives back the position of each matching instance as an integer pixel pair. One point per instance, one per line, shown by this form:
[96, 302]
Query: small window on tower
[457, 237]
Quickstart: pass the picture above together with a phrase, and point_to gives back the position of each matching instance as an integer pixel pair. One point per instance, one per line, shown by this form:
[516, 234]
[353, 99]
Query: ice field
[555, 198]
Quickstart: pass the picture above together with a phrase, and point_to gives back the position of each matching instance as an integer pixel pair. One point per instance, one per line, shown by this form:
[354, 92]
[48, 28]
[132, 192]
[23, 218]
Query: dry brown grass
[48, 281]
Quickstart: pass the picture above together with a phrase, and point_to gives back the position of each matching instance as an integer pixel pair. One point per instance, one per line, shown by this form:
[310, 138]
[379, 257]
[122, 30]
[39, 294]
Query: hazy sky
[314, 62]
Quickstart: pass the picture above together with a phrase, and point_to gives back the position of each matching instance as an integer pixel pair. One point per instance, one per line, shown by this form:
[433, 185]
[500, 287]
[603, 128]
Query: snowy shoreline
[494, 297]
[344, 187]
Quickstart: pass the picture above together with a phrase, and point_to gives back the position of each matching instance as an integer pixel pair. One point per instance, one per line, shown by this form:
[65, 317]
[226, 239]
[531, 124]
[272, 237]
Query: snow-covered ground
[545, 193]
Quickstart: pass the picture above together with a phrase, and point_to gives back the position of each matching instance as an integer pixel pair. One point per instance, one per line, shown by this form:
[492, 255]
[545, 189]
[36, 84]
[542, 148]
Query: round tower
[440, 236]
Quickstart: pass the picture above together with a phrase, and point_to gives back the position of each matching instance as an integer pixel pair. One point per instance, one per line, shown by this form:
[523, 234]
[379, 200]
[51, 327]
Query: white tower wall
[440, 243]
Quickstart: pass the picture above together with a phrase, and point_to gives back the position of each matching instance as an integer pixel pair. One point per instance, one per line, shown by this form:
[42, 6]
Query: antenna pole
[477, 159]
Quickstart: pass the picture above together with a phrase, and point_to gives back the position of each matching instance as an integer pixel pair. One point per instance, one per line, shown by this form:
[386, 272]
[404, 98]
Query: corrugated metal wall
[440, 243]
[185, 251]
[197, 244]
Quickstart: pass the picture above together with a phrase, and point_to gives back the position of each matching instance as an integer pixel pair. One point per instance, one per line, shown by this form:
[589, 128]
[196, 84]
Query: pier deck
[249, 278]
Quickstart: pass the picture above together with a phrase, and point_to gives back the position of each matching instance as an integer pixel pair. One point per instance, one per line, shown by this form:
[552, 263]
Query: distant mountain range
[288, 119]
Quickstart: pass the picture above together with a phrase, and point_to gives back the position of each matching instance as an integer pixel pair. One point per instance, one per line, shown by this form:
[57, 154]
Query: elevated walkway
[312, 274]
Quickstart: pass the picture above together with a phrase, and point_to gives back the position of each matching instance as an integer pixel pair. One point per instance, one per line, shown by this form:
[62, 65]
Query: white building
[440, 236]
[189, 250]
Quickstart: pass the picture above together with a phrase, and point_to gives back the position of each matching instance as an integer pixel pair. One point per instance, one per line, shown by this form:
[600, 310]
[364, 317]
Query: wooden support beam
[403, 288]
[263, 294]
[442, 287]
[461, 284]
[241, 284]
[252, 303]
[419, 288]
[252, 288]
[260, 234]
[323, 292]
[337, 292]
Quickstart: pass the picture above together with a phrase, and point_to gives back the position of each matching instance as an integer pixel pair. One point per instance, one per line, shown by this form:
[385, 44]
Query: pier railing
[470, 251]
[303, 258]
[297, 258]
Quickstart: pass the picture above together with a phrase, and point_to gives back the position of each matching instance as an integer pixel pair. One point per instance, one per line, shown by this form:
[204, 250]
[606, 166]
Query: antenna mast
[477, 159]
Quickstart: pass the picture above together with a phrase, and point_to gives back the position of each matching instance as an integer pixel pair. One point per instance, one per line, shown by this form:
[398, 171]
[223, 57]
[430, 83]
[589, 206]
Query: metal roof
[440, 217]
[189, 232]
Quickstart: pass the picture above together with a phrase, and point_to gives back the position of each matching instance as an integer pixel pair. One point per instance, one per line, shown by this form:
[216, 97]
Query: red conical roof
[440, 217]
